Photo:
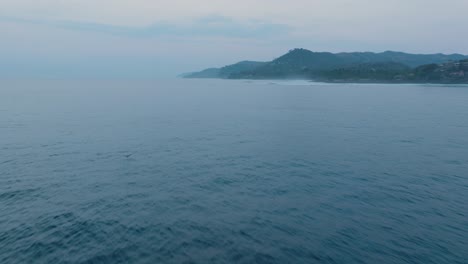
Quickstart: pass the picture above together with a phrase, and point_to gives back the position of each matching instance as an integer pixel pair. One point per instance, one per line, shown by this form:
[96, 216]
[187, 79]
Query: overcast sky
[141, 38]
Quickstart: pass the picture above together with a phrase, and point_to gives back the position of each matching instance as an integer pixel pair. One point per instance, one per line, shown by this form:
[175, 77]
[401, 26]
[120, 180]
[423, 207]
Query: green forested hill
[449, 72]
[387, 66]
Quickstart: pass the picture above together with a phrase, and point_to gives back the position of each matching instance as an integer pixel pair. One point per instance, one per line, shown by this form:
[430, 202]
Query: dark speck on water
[211, 171]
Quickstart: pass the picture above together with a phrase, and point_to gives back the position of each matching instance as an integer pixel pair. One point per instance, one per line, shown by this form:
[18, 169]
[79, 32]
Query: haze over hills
[387, 66]
[227, 71]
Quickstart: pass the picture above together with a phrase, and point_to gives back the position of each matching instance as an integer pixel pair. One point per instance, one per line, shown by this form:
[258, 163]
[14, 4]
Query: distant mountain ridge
[305, 64]
[227, 71]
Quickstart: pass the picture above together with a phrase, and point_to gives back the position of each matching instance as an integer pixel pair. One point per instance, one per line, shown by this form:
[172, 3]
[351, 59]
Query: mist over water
[212, 171]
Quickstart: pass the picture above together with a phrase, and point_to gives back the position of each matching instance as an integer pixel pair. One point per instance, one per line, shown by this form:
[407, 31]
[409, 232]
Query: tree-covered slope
[387, 66]
[226, 71]
[452, 72]
[302, 63]
[449, 72]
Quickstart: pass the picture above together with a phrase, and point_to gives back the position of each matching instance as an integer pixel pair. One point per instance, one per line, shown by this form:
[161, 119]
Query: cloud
[197, 34]
[211, 26]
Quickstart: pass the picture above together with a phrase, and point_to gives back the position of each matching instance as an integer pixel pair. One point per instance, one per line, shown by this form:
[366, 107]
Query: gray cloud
[198, 34]
[204, 26]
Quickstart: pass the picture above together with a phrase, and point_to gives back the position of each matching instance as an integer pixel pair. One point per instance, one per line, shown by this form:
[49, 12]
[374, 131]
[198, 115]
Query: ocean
[220, 171]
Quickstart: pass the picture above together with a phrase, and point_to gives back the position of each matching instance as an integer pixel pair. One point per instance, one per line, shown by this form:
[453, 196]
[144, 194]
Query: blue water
[211, 171]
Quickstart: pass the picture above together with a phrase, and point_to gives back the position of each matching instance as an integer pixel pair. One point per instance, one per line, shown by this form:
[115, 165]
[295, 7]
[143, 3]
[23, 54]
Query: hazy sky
[143, 38]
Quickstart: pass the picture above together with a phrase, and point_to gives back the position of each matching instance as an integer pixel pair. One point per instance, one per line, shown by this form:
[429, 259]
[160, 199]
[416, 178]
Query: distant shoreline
[357, 67]
[329, 82]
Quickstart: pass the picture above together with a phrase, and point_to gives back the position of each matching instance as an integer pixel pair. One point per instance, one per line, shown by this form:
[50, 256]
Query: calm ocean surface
[212, 171]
